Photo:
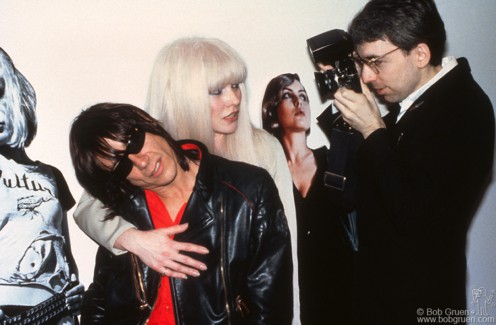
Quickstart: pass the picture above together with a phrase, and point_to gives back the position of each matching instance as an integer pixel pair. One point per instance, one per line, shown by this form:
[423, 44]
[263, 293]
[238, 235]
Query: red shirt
[163, 311]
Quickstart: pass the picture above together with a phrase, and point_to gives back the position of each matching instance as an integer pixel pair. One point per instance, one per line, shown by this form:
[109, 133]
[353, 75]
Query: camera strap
[340, 176]
[344, 142]
[335, 176]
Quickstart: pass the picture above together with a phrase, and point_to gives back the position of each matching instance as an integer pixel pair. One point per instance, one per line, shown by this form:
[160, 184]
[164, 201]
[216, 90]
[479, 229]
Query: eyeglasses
[134, 145]
[372, 63]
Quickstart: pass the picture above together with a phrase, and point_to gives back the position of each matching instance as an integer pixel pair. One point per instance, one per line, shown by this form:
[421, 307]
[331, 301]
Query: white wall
[77, 53]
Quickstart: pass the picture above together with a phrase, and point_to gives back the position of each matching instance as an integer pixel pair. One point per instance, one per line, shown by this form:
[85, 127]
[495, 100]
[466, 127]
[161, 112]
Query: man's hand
[360, 111]
[156, 249]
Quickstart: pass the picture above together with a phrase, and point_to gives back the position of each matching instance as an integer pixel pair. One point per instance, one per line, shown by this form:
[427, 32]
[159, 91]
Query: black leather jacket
[235, 212]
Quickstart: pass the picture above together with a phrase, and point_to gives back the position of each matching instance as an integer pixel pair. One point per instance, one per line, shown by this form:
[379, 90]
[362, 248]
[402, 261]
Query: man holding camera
[422, 169]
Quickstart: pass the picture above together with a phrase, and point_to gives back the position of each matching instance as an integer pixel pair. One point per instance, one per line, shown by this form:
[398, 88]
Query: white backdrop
[77, 53]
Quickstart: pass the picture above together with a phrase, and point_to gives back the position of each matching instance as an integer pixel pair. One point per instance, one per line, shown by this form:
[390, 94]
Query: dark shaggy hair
[87, 144]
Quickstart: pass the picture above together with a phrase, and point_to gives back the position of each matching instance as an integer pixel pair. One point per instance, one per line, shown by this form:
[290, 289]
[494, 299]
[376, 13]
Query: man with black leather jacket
[123, 157]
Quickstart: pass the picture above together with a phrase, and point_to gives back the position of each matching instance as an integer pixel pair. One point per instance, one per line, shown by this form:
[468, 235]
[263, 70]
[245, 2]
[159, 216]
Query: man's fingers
[341, 103]
[368, 94]
[325, 67]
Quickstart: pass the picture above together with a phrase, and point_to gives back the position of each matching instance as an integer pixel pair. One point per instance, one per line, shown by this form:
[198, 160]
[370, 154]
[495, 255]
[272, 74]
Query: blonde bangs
[222, 65]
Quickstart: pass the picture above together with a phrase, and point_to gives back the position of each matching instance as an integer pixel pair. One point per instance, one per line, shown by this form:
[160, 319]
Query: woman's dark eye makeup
[289, 95]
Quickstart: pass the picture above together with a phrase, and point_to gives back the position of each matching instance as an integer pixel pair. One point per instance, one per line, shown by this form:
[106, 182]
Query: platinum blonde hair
[19, 101]
[178, 95]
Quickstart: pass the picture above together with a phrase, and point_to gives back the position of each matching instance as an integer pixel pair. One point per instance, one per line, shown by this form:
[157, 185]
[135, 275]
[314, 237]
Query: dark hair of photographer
[87, 139]
[405, 25]
[271, 100]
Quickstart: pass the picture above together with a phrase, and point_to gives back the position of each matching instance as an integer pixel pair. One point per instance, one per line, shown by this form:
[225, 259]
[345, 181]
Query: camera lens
[326, 83]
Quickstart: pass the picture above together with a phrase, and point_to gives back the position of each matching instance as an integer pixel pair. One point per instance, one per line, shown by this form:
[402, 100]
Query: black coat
[421, 181]
[235, 212]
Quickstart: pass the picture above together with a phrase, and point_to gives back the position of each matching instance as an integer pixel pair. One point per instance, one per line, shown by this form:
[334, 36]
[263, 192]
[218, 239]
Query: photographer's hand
[359, 110]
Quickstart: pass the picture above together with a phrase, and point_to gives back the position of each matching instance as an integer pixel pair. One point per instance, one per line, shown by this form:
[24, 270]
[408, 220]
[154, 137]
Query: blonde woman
[197, 90]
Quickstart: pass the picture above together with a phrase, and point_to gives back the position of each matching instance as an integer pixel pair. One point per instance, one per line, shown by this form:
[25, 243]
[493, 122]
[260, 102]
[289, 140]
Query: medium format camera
[334, 48]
